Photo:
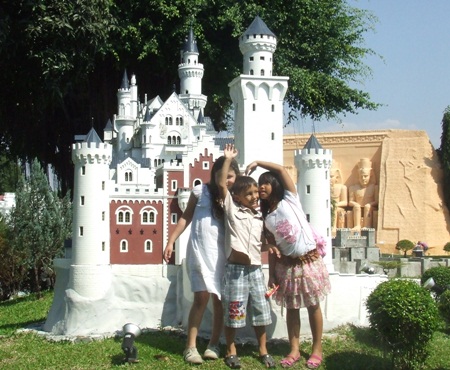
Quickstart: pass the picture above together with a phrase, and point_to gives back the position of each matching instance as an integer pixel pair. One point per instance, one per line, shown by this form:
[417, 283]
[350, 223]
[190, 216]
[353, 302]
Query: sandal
[314, 364]
[289, 361]
[267, 360]
[233, 362]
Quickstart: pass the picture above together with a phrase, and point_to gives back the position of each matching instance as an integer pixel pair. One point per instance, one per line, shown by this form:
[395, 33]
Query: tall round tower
[190, 72]
[124, 120]
[258, 98]
[313, 165]
[90, 271]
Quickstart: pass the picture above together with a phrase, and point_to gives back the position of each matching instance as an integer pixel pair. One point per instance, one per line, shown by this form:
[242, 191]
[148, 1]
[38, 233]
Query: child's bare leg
[261, 336]
[293, 329]
[230, 334]
[316, 324]
[195, 317]
[217, 320]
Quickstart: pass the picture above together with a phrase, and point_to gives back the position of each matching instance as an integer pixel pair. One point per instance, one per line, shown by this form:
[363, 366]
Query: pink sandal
[314, 364]
[289, 361]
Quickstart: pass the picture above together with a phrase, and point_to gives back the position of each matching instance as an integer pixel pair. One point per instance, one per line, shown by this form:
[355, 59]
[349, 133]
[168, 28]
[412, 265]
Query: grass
[348, 348]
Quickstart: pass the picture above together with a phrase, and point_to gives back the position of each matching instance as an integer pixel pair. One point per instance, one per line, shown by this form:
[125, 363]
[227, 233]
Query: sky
[412, 80]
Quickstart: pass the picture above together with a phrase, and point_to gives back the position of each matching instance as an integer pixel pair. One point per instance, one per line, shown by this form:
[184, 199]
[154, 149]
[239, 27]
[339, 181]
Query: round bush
[404, 245]
[405, 316]
[440, 275]
[447, 247]
[444, 306]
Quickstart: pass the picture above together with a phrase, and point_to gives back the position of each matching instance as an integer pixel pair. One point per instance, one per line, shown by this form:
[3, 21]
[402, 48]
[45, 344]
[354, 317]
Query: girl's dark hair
[277, 191]
[216, 201]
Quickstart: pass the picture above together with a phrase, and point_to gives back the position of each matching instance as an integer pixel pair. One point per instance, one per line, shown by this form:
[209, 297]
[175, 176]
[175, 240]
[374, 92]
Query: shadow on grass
[350, 360]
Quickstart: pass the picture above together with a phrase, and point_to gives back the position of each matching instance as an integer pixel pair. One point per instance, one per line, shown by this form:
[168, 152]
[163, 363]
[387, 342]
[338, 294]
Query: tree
[447, 247]
[63, 61]
[404, 245]
[39, 224]
[444, 153]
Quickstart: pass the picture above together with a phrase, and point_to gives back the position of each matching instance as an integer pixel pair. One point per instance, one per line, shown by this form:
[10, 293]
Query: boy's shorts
[244, 286]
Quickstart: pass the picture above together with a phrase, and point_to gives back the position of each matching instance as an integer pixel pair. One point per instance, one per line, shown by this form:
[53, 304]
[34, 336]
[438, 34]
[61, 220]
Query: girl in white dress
[205, 258]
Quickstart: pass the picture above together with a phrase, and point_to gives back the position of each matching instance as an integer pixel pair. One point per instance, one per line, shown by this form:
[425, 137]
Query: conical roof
[312, 143]
[92, 137]
[258, 27]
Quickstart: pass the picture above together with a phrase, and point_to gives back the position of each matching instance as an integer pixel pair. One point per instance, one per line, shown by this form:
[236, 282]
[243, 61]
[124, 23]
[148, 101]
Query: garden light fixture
[130, 332]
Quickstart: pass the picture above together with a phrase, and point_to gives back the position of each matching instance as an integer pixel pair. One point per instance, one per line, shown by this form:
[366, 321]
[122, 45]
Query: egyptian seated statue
[339, 198]
[363, 197]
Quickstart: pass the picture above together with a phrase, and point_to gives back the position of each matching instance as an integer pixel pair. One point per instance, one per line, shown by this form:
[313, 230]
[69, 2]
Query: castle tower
[124, 120]
[258, 98]
[90, 271]
[190, 72]
[313, 165]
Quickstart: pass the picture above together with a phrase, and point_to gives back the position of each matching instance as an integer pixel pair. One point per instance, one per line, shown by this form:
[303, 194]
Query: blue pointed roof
[190, 45]
[108, 126]
[92, 137]
[258, 27]
[125, 83]
[200, 118]
[312, 143]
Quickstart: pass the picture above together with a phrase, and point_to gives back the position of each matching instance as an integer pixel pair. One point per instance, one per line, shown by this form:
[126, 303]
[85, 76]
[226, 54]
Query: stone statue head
[365, 171]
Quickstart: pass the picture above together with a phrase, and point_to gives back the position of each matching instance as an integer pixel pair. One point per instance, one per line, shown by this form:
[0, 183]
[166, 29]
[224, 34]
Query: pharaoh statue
[339, 199]
[363, 196]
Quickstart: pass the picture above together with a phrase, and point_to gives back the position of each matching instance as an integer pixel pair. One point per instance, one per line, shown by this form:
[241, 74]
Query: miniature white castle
[131, 188]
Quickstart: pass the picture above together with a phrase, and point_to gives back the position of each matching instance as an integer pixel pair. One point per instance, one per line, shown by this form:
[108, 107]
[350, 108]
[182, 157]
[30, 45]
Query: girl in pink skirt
[299, 271]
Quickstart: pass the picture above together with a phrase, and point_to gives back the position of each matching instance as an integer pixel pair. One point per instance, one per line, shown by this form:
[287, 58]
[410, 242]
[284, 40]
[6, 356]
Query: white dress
[205, 255]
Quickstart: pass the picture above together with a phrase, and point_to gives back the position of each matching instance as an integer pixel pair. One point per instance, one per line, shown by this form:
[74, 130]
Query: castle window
[206, 165]
[143, 139]
[262, 72]
[82, 200]
[123, 246]
[273, 107]
[174, 218]
[326, 175]
[254, 107]
[103, 216]
[103, 246]
[251, 59]
[174, 185]
[308, 217]
[148, 215]
[170, 121]
[178, 140]
[80, 231]
[148, 246]
[261, 58]
[123, 215]
[251, 72]
[83, 170]
[167, 120]
[128, 176]
[273, 136]
[308, 189]
[169, 140]
[181, 121]
[197, 182]
[103, 185]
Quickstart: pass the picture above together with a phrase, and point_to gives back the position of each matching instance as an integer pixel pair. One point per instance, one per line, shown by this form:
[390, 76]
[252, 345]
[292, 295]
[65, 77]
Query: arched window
[251, 72]
[169, 140]
[124, 215]
[123, 246]
[167, 120]
[170, 121]
[148, 215]
[262, 72]
[178, 140]
[128, 176]
[148, 246]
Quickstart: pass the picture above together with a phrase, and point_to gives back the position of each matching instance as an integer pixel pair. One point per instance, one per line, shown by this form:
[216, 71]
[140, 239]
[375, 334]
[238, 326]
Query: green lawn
[348, 348]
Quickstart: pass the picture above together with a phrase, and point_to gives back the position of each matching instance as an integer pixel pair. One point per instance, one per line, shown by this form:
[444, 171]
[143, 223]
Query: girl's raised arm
[230, 152]
[286, 180]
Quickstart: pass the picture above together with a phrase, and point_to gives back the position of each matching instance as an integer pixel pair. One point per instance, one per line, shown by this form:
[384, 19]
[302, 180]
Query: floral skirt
[304, 281]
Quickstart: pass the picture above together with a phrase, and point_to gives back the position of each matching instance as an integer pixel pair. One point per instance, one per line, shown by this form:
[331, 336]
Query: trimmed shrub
[447, 247]
[444, 306]
[404, 245]
[440, 275]
[405, 316]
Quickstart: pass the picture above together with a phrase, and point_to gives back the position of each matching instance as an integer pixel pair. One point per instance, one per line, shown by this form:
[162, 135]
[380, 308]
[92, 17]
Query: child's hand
[230, 151]
[274, 250]
[251, 168]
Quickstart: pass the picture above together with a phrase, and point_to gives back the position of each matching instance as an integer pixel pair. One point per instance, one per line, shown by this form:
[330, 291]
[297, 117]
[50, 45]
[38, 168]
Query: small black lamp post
[130, 331]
